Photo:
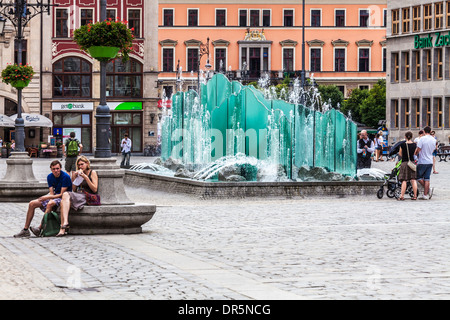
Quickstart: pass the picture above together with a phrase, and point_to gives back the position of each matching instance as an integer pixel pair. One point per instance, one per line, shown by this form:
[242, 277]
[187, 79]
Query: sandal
[414, 198]
[400, 199]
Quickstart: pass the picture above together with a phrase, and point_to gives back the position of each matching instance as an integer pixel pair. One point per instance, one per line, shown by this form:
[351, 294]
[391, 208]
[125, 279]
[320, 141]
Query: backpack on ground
[72, 148]
[50, 224]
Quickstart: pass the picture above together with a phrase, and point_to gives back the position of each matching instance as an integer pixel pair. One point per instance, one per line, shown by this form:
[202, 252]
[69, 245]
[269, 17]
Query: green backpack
[72, 148]
[50, 225]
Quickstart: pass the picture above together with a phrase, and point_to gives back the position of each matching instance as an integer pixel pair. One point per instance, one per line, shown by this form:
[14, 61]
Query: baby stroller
[394, 186]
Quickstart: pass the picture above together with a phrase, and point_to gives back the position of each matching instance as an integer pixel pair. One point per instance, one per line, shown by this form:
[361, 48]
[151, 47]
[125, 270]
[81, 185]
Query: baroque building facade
[344, 41]
[71, 78]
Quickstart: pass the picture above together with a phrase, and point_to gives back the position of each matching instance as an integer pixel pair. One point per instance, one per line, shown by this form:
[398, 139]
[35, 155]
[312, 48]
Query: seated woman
[77, 199]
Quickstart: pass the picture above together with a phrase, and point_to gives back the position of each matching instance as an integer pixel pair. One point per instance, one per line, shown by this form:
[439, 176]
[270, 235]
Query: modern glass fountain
[230, 121]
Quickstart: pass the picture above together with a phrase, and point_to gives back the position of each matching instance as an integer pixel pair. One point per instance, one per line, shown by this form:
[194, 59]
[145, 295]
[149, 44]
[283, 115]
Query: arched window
[124, 79]
[72, 77]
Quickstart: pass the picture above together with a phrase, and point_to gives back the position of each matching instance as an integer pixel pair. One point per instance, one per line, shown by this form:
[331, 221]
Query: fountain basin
[248, 189]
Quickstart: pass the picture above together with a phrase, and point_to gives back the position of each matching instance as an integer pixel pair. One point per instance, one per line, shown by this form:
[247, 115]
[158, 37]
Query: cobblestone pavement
[263, 248]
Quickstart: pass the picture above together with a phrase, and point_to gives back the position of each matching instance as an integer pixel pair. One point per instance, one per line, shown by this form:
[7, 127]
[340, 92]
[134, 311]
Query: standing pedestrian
[421, 133]
[126, 151]
[71, 150]
[407, 150]
[433, 134]
[364, 150]
[424, 151]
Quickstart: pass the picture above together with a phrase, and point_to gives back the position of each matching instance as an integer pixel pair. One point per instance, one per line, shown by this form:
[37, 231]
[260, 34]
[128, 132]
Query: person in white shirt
[424, 151]
[421, 133]
[126, 151]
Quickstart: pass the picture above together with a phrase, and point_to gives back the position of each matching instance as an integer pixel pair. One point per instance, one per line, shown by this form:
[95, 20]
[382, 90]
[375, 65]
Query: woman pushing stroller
[406, 152]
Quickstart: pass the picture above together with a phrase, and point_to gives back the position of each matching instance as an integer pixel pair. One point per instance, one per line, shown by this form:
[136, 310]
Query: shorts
[424, 171]
[71, 164]
[45, 203]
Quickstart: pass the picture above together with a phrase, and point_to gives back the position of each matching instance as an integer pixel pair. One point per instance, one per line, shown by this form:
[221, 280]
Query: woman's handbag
[77, 200]
[92, 199]
[411, 164]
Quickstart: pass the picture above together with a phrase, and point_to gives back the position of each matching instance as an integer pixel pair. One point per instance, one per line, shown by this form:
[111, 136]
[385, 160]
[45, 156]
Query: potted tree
[103, 40]
[17, 75]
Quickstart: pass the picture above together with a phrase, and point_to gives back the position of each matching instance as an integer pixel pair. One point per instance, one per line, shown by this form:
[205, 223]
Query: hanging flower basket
[18, 76]
[103, 53]
[115, 35]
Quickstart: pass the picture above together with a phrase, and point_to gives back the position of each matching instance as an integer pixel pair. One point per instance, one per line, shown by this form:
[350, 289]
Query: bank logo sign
[72, 106]
[430, 41]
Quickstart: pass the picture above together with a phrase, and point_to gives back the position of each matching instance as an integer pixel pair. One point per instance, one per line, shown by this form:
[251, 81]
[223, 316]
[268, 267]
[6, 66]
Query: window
[407, 114]
[288, 18]
[416, 65]
[288, 59]
[439, 15]
[406, 63]
[364, 60]
[339, 18]
[439, 115]
[221, 17]
[439, 63]
[416, 106]
[254, 18]
[428, 64]
[266, 18]
[395, 21]
[168, 60]
[339, 60]
[448, 14]
[364, 18]
[406, 20]
[427, 17]
[124, 79]
[242, 18]
[384, 60]
[192, 60]
[427, 109]
[61, 28]
[316, 60]
[384, 18]
[87, 16]
[111, 14]
[193, 17]
[395, 66]
[315, 18]
[134, 21]
[416, 19]
[221, 59]
[72, 77]
[395, 112]
[168, 18]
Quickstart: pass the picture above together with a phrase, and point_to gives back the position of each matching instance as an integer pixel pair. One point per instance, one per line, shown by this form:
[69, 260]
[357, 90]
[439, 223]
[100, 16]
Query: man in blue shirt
[58, 183]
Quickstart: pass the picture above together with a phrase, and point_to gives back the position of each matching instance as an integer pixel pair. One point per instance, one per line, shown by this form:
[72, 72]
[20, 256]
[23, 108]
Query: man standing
[58, 182]
[425, 148]
[126, 151]
[71, 150]
[364, 150]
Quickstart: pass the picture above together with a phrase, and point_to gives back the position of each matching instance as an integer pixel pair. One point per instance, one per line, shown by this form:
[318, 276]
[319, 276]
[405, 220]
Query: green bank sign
[430, 41]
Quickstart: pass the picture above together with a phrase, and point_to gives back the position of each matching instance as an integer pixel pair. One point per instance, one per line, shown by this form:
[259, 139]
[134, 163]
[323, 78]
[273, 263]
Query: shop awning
[34, 120]
[6, 121]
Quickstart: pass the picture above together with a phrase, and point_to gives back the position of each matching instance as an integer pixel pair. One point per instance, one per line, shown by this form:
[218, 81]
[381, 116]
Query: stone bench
[110, 219]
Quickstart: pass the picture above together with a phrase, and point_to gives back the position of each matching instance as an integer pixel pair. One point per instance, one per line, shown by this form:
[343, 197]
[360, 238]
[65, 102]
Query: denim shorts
[424, 171]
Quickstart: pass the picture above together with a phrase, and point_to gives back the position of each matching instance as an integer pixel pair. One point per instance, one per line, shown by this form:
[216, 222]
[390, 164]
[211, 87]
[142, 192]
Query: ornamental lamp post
[203, 50]
[19, 13]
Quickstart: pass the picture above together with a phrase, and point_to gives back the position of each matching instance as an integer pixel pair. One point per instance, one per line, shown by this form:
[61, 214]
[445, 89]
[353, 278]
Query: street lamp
[20, 12]
[203, 50]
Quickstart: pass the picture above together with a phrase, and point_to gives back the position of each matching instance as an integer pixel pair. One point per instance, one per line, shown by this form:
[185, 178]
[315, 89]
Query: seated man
[58, 183]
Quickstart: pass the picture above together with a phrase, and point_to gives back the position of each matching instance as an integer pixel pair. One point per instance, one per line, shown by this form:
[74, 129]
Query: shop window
[72, 77]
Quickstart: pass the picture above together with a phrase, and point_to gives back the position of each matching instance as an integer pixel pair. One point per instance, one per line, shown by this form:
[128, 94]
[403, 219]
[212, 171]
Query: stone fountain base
[211, 190]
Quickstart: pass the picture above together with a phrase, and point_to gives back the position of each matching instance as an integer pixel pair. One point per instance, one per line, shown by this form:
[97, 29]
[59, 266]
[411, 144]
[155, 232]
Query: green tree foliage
[367, 106]
[331, 94]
